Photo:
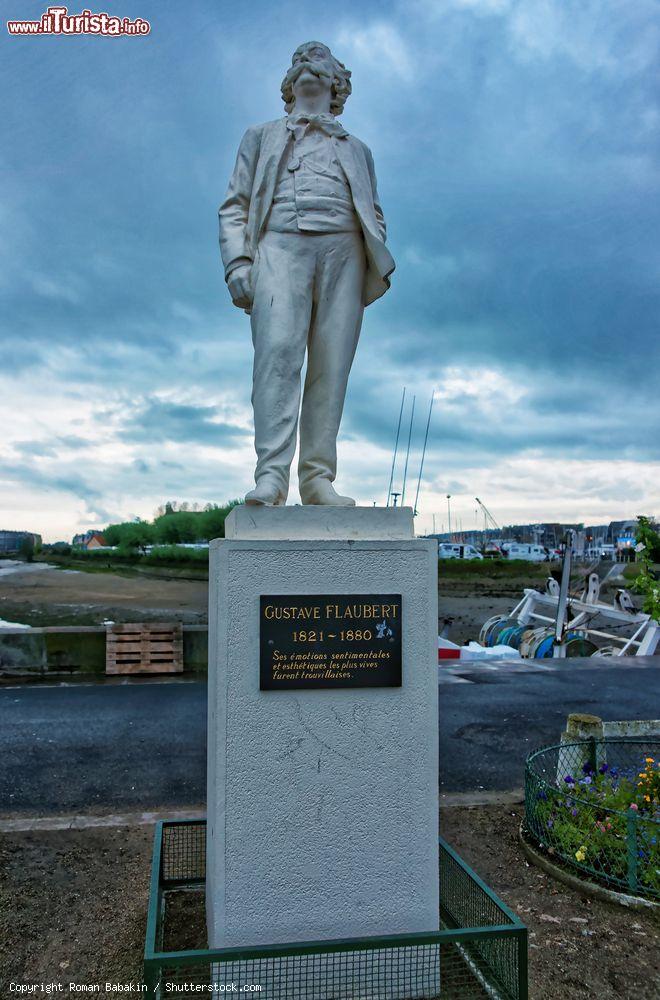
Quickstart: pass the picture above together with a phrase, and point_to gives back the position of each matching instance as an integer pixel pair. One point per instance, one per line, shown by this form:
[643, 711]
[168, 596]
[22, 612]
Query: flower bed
[595, 805]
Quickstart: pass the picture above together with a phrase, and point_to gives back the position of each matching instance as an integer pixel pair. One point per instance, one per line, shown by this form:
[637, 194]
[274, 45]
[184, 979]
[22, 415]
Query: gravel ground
[73, 909]
[579, 947]
[73, 906]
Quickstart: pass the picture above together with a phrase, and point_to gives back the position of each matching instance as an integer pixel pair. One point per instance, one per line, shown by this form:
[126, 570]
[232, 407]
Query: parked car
[530, 553]
[451, 550]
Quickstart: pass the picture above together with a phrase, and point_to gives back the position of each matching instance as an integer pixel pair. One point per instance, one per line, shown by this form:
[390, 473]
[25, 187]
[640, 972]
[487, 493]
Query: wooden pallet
[144, 648]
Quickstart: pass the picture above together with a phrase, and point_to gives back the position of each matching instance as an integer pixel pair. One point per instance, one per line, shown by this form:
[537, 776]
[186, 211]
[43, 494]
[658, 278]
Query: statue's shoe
[322, 492]
[265, 494]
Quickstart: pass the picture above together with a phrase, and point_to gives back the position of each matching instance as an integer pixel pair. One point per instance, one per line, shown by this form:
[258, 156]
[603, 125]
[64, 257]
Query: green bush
[175, 554]
[159, 554]
[648, 551]
[120, 555]
[58, 549]
[26, 549]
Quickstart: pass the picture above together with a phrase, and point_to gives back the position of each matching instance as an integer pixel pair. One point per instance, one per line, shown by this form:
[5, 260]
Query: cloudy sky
[516, 146]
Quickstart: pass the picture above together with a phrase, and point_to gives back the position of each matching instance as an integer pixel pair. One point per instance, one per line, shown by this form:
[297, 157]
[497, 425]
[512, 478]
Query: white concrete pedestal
[322, 804]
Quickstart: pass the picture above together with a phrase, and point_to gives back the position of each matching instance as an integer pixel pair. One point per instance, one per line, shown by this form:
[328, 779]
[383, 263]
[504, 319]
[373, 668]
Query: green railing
[480, 951]
[594, 806]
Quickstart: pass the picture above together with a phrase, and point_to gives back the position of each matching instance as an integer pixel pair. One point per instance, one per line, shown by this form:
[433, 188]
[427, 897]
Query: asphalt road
[117, 746]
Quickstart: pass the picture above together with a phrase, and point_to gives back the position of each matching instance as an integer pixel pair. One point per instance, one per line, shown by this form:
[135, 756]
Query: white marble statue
[302, 238]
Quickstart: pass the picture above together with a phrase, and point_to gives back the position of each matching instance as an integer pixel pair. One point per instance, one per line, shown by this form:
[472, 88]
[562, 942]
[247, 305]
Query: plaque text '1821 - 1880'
[330, 641]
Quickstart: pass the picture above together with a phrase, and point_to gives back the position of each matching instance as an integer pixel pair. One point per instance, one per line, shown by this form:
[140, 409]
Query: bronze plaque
[329, 641]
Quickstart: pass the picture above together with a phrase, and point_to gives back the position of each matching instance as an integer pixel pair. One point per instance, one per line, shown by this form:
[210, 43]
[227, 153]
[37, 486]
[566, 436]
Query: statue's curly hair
[341, 83]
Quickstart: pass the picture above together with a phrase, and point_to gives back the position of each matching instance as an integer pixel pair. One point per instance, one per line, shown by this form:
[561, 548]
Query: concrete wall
[78, 650]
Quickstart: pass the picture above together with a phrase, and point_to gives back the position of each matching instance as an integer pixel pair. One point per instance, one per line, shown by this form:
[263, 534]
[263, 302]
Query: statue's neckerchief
[325, 122]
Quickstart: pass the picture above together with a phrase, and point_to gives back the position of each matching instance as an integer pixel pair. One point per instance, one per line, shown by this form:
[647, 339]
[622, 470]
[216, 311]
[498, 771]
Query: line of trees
[173, 524]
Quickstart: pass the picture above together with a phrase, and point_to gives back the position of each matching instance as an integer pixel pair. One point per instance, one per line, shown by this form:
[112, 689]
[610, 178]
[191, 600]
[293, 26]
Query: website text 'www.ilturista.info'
[58, 21]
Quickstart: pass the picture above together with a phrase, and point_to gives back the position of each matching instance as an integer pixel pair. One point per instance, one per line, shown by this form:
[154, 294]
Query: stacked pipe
[532, 642]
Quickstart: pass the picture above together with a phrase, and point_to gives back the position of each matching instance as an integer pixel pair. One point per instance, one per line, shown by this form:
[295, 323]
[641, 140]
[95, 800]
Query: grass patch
[175, 554]
[100, 561]
[493, 569]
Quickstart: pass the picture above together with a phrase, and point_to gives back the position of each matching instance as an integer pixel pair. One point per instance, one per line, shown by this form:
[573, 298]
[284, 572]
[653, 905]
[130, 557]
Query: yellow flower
[581, 853]
[643, 775]
[647, 798]
[650, 760]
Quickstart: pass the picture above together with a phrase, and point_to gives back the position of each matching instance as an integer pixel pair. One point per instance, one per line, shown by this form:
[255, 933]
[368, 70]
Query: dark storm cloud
[533, 412]
[159, 421]
[35, 448]
[51, 479]
[54, 446]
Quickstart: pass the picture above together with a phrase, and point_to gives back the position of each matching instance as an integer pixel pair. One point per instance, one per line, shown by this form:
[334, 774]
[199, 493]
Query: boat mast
[421, 464]
[405, 468]
[396, 445]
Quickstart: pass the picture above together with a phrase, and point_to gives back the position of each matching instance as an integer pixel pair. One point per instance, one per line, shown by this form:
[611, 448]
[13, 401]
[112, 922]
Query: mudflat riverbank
[40, 595]
[52, 596]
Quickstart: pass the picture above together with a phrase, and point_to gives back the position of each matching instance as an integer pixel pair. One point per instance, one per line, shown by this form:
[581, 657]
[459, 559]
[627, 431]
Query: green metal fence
[594, 805]
[480, 951]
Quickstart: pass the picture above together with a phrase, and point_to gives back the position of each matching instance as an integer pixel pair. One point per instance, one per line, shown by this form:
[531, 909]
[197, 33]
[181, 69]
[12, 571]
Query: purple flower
[604, 768]
[542, 796]
[550, 824]
[586, 780]
[587, 768]
[569, 780]
[573, 812]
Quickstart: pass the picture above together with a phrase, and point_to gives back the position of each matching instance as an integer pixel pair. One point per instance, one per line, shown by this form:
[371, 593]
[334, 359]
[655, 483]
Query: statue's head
[312, 66]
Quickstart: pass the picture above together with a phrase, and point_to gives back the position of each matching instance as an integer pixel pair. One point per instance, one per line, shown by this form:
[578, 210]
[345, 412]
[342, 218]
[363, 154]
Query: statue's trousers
[308, 294]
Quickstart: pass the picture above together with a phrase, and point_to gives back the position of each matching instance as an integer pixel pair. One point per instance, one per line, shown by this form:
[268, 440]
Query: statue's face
[312, 70]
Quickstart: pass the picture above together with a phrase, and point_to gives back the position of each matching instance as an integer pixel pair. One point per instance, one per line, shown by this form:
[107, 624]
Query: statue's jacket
[244, 212]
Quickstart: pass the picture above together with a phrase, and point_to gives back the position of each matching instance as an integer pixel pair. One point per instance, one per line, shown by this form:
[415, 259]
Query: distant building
[90, 540]
[11, 541]
[625, 537]
[588, 540]
[619, 536]
[591, 541]
[97, 541]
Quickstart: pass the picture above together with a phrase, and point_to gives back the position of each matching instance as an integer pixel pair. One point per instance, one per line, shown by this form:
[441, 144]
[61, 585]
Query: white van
[530, 553]
[451, 550]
